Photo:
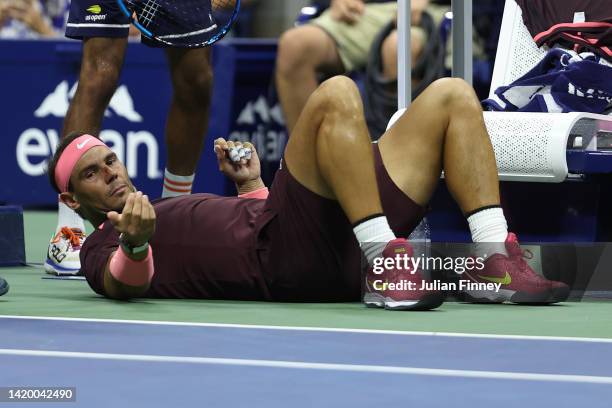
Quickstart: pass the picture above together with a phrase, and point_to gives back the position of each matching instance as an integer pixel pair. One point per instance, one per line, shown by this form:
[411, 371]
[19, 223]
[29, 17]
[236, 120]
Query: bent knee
[455, 92]
[196, 80]
[389, 55]
[193, 87]
[104, 84]
[300, 48]
[339, 89]
[339, 95]
[418, 38]
[99, 78]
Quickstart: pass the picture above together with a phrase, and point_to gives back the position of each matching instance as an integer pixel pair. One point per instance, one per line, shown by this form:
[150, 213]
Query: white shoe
[64, 251]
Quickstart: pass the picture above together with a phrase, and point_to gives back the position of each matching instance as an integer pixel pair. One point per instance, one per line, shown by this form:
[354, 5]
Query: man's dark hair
[64, 142]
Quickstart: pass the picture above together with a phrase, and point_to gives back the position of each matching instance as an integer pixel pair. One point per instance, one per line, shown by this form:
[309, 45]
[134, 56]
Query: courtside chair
[539, 147]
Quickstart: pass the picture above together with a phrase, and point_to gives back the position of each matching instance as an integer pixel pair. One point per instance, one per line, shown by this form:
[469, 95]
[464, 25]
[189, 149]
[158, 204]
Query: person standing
[104, 31]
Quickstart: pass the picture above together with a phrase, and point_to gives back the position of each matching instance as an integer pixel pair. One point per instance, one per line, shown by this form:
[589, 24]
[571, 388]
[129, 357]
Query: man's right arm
[129, 269]
[115, 289]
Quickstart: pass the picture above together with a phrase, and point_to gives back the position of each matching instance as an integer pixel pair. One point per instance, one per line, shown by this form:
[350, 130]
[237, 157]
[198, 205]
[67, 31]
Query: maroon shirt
[204, 247]
[294, 246]
[549, 21]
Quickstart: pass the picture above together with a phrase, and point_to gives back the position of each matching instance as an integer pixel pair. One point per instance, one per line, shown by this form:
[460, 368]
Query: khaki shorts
[355, 41]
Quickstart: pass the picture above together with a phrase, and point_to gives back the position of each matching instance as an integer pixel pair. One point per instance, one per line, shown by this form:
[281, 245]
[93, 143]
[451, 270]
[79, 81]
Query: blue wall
[37, 78]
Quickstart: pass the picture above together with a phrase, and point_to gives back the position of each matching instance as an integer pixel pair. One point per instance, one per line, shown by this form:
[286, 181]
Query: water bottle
[420, 239]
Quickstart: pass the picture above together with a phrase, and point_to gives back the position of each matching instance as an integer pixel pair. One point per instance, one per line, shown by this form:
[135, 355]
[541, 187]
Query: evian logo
[34, 145]
[264, 126]
[261, 109]
[57, 102]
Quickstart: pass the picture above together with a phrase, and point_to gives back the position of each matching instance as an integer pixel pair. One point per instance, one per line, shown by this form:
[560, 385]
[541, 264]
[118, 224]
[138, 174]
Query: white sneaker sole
[54, 269]
[377, 300]
[485, 296]
[374, 300]
[391, 304]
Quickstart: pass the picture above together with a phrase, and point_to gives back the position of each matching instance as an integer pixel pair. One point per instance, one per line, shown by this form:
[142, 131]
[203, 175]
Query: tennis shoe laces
[401, 286]
[64, 251]
[516, 280]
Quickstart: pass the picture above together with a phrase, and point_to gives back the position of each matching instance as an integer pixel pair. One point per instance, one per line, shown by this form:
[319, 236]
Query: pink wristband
[130, 272]
[260, 193]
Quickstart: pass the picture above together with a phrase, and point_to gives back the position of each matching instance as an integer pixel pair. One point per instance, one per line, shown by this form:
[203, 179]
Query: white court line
[319, 329]
[435, 372]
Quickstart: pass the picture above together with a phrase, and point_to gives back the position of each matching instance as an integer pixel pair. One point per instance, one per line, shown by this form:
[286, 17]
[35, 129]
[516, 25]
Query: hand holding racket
[182, 23]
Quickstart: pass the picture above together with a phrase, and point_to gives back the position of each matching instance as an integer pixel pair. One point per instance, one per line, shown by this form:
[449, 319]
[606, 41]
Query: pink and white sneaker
[519, 283]
[399, 289]
[63, 253]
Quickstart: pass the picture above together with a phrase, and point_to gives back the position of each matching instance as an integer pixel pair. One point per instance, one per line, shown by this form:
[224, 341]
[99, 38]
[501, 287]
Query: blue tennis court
[553, 160]
[157, 364]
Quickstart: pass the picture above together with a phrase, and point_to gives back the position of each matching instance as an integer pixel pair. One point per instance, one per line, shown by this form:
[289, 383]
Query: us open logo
[95, 10]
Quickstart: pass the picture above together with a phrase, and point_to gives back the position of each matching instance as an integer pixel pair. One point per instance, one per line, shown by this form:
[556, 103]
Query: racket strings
[149, 11]
[183, 23]
[144, 16]
[153, 13]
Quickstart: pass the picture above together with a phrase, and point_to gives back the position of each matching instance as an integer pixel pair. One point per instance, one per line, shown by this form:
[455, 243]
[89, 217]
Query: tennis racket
[182, 23]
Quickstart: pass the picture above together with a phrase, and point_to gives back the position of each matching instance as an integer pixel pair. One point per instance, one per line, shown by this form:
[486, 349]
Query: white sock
[66, 217]
[373, 235]
[175, 186]
[489, 231]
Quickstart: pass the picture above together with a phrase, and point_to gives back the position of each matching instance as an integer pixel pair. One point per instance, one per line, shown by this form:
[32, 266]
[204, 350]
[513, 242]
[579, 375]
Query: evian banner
[39, 80]
[35, 145]
[264, 126]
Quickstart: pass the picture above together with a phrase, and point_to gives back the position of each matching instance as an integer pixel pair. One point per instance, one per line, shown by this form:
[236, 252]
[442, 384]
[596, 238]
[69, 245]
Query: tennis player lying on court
[300, 243]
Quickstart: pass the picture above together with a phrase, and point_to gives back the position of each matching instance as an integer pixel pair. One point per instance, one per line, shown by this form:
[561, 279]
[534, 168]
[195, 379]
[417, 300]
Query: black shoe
[4, 287]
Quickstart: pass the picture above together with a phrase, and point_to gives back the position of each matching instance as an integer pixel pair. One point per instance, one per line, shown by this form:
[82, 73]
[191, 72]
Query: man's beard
[103, 211]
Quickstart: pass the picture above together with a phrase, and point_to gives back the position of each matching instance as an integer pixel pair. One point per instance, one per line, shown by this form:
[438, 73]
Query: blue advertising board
[255, 113]
[38, 80]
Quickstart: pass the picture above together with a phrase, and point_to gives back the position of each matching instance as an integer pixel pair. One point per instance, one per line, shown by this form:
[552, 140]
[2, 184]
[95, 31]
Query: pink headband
[69, 158]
